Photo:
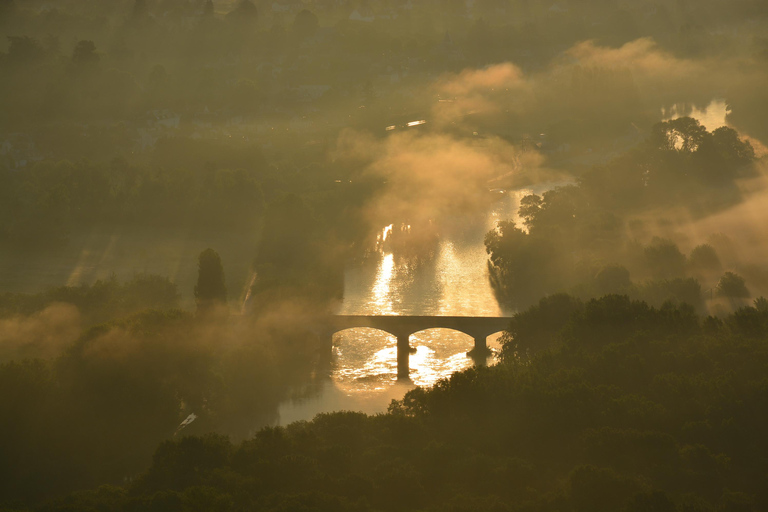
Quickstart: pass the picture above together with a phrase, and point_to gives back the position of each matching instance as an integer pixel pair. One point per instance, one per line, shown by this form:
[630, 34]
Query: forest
[586, 237]
[189, 188]
[603, 405]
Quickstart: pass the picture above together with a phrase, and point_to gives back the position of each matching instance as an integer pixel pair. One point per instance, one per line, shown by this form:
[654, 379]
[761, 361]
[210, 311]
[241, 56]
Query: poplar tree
[210, 289]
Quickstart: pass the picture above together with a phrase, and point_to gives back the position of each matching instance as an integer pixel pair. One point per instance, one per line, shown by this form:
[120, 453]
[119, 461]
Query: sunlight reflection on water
[454, 281]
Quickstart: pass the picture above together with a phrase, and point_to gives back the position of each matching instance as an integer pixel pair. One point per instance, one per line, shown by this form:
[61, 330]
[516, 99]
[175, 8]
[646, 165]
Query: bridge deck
[470, 324]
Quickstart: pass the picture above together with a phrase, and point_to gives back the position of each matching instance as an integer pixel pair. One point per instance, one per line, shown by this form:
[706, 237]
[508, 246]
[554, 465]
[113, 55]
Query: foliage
[99, 302]
[732, 286]
[294, 263]
[537, 328]
[664, 259]
[704, 259]
[574, 230]
[54, 197]
[678, 291]
[210, 289]
[97, 413]
[306, 23]
[625, 407]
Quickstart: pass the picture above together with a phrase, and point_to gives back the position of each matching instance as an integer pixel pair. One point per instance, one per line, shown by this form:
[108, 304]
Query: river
[453, 281]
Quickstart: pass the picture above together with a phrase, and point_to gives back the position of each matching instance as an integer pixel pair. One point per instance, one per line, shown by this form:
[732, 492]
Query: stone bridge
[479, 327]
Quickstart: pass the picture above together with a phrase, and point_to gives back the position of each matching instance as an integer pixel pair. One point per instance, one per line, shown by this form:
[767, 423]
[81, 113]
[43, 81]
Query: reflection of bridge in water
[479, 327]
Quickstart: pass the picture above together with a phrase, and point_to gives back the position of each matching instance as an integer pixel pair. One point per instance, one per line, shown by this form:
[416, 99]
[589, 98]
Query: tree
[732, 286]
[523, 267]
[704, 259]
[140, 9]
[210, 288]
[683, 134]
[612, 279]
[244, 11]
[675, 291]
[24, 49]
[287, 234]
[7, 8]
[85, 53]
[208, 10]
[734, 150]
[664, 259]
[538, 327]
[305, 24]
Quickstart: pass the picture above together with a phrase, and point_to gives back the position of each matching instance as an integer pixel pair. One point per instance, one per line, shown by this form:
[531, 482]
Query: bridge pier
[403, 357]
[481, 350]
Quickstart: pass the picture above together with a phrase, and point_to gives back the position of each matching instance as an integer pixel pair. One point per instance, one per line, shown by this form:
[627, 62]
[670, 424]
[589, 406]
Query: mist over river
[452, 282]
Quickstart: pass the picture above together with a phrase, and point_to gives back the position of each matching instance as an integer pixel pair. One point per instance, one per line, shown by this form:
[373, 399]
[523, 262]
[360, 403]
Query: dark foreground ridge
[609, 405]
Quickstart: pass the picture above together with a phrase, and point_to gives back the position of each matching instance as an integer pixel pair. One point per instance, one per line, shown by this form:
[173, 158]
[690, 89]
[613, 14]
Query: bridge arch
[496, 334]
[449, 329]
[366, 328]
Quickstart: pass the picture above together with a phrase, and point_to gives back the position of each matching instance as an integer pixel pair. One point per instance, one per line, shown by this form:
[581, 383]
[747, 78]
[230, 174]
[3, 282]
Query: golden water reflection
[453, 281]
[365, 360]
[382, 296]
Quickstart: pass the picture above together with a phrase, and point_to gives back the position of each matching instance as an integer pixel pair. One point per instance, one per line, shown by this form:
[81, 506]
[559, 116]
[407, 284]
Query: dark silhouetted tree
[210, 288]
[651, 502]
[140, 9]
[157, 76]
[85, 53]
[24, 50]
[7, 8]
[682, 134]
[734, 150]
[287, 234]
[678, 290]
[612, 279]
[305, 24]
[732, 286]
[208, 9]
[245, 11]
[664, 259]
[704, 259]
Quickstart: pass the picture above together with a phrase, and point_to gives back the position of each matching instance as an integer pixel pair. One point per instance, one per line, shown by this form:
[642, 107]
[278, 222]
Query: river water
[453, 281]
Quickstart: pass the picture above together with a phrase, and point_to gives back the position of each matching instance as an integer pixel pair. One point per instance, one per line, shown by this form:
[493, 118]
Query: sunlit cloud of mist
[501, 86]
[642, 56]
[432, 174]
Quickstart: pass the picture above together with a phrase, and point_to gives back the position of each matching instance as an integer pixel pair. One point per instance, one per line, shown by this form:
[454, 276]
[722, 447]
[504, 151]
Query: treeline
[86, 61]
[591, 237]
[599, 406]
[102, 301]
[40, 206]
[78, 412]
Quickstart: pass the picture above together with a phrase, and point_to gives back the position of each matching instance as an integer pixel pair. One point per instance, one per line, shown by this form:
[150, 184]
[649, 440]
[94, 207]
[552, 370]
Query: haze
[195, 195]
